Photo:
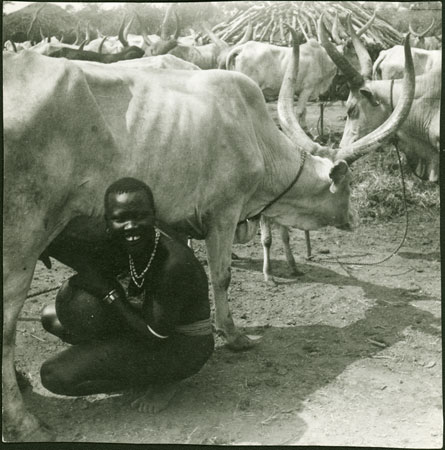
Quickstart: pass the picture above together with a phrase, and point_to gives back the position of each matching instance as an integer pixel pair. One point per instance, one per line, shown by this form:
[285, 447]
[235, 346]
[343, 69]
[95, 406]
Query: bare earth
[349, 355]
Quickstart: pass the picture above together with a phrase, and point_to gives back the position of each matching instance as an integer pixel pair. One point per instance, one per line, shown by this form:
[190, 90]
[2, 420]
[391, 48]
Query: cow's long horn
[142, 27]
[353, 77]
[375, 139]
[302, 29]
[213, 37]
[177, 26]
[82, 45]
[121, 34]
[34, 18]
[87, 34]
[102, 43]
[42, 36]
[127, 29]
[147, 40]
[77, 41]
[367, 25]
[285, 105]
[164, 31]
[247, 34]
[334, 30]
[360, 49]
[423, 33]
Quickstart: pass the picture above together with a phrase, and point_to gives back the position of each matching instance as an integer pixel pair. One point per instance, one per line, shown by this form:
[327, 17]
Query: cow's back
[266, 65]
[208, 124]
[391, 62]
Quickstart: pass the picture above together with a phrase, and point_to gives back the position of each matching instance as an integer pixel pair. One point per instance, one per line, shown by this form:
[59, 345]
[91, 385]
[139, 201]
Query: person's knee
[48, 318]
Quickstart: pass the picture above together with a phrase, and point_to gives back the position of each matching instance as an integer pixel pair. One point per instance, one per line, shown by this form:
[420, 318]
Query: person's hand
[94, 285]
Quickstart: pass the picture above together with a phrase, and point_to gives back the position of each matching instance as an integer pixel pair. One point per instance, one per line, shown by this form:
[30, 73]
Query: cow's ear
[366, 92]
[337, 174]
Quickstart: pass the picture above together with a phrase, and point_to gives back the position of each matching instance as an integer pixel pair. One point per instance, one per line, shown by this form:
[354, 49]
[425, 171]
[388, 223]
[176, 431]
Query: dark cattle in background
[106, 58]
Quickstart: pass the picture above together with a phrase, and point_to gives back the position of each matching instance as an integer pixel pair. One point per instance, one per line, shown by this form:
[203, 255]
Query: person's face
[130, 220]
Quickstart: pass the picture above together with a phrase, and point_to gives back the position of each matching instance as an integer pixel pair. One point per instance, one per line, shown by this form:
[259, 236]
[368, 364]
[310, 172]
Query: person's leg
[51, 323]
[123, 363]
[77, 316]
[90, 368]
[182, 357]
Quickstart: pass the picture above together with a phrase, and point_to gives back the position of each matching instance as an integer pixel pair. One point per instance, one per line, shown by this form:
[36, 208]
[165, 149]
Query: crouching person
[141, 329]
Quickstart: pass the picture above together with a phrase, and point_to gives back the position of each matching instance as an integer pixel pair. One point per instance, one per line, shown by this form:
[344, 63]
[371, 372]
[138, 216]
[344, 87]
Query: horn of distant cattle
[77, 41]
[360, 50]
[121, 35]
[302, 29]
[334, 30]
[247, 34]
[164, 32]
[213, 37]
[354, 78]
[367, 25]
[102, 43]
[375, 139]
[423, 33]
[34, 18]
[366, 144]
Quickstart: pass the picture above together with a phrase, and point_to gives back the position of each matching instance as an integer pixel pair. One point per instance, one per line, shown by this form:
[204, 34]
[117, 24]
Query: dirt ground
[349, 355]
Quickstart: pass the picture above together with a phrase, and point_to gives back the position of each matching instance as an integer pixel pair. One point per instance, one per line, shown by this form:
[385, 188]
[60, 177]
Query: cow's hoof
[241, 342]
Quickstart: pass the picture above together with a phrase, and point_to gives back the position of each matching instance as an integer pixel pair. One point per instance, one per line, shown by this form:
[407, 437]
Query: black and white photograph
[221, 223]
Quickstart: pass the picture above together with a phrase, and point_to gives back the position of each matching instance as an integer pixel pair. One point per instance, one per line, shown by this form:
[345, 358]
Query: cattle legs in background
[266, 241]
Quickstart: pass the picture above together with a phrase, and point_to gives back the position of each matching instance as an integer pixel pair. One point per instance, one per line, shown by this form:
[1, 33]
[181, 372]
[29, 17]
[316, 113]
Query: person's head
[130, 214]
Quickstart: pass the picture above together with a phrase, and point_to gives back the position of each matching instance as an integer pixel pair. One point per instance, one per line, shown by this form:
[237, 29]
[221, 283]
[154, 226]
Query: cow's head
[343, 41]
[161, 45]
[365, 112]
[333, 164]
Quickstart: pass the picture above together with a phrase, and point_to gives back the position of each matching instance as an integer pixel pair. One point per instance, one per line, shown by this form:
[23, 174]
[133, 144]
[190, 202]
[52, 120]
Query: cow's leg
[266, 241]
[219, 246]
[18, 424]
[284, 232]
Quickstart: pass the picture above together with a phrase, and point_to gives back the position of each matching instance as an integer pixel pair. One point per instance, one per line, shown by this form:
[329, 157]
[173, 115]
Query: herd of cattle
[202, 137]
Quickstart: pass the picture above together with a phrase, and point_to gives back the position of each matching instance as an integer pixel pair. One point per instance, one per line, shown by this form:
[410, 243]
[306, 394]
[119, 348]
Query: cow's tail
[230, 58]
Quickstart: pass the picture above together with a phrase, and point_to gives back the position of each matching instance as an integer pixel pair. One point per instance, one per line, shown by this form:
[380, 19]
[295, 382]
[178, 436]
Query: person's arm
[112, 295]
[115, 300]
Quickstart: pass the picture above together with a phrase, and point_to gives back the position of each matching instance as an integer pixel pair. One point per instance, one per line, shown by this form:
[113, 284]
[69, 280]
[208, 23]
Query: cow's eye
[352, 111]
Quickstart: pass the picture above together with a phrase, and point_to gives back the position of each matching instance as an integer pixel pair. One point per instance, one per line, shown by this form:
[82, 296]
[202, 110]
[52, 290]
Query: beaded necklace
[138, 279]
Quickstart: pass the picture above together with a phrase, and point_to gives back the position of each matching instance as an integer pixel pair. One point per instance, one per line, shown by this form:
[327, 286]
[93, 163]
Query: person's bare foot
[133, 394]
[155, 398]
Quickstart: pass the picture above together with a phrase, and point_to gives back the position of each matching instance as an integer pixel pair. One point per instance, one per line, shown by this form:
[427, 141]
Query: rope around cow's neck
[391, 95]
[402, 177]
[257, 216]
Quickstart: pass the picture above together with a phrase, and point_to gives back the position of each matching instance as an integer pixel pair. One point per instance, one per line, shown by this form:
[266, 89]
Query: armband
[110, 297]
[155, 334]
